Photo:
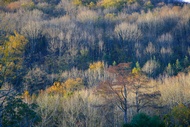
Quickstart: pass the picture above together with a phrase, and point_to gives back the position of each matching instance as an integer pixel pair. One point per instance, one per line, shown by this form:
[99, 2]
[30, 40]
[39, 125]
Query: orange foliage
[14, 6]
[19, 4]
[55, 88]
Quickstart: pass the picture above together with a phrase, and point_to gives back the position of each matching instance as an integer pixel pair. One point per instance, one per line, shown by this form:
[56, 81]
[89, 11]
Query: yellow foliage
[131, 1]
[28, 4]
[55, 88]
[13, 48]
[115, 3]
[11, 52]
[135, 70]
[110, 3]
[26, 96]
[1, 66]
[66, 88]
[73, 84]
[91, 4]
[16, 43]
[77, 2]
[57, 84]
[96, 66]
[149, 5]
[26, 93]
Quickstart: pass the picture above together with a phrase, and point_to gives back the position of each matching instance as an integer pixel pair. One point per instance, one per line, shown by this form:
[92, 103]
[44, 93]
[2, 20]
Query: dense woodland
[94, 63]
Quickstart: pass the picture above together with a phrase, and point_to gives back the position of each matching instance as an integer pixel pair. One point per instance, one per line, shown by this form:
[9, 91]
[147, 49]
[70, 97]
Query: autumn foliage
[65, 88]
[96, 65]
[11, 54]
[75, 59]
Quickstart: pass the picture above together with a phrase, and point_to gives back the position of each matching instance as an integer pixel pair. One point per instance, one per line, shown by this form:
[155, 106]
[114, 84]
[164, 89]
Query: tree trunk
[137, 101]
[125, 104]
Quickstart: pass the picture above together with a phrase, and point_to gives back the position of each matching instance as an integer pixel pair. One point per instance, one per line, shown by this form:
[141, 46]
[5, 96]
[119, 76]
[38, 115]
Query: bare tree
[151, 67]
[117, 89]
[128, 32]
[128, 90]
[127, 35]
[35, 78]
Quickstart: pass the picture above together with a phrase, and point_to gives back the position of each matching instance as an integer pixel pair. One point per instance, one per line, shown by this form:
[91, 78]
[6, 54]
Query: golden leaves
[26, 96]
[96, 66]
[16, 43]
[115, 3]
[66, 88]
[13, 49]
[11, 52]
[110, 3]
[77, 2]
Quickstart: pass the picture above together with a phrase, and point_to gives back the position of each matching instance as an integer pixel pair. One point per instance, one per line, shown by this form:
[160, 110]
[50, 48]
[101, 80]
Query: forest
[94, 63]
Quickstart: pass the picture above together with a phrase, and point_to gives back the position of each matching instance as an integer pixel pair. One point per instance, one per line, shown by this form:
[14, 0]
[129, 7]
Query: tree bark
[125, 104]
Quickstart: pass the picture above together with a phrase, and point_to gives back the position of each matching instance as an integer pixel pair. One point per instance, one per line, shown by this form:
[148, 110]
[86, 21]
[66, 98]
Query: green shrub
[140, 120]
[143, 120]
